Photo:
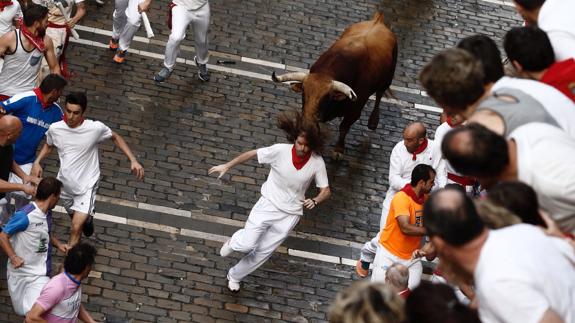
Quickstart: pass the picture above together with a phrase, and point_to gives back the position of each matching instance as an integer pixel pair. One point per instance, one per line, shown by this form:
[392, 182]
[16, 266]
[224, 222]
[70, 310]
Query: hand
[63, 248]
[137, 170]
[309, 204]
[32, 180]
[418, 254]
[36, 170]
[552, 227]
[222, 169]
[16, 261]
[144, 6]
[29, 189]
[71, 23]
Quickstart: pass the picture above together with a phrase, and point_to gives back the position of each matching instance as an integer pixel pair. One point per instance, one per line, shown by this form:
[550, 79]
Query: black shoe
[88, 228]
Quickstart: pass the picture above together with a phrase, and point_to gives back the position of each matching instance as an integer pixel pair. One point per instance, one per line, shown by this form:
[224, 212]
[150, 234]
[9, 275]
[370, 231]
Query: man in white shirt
[26, 241]
[126, 22]
[76, 141]
[293, 168]
[520, 274]
[537, 154]
[555, 17]
[10, 12]
[182, 13]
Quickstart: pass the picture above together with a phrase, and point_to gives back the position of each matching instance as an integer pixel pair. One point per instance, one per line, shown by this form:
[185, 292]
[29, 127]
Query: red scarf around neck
[37, 41]
[299, 162]
[420, 149]
[40, 97]
[4, 4]
[408, 189]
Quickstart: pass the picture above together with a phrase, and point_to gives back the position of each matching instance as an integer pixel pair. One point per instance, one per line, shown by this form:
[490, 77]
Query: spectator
[518, 279]
[495, 216]
[61, 298]
[26, 46]
[403, 230]
[519, 198]
[531, 54]
[555, 17]
[397, 276]
[26, 240]
[365, 302]
[435, 303]
[37, 110]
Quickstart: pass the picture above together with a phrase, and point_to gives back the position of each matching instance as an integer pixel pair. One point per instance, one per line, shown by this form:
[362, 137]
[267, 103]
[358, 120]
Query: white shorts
[24, 291]
[384, 259]
[26, 168]
[83, 203]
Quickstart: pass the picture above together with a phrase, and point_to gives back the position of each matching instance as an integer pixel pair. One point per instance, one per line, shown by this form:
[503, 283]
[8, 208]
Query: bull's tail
[378, 17]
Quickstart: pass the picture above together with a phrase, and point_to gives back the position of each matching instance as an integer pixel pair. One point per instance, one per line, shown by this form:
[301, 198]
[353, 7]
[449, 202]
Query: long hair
[294, 125]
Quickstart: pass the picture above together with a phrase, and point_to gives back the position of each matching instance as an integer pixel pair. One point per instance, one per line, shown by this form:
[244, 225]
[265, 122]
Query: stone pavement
[181, 128]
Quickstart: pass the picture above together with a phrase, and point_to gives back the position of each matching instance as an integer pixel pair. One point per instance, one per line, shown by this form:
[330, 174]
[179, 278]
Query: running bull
[361, 62]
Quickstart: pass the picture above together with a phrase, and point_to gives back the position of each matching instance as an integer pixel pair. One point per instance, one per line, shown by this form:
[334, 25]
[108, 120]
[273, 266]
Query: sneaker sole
[358, 270]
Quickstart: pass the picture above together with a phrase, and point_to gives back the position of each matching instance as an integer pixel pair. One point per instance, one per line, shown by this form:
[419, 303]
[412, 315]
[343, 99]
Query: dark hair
[78, 98]
[433, 303]
[530, 47]
[80, 257]
[294, 124]
[456, 221]
[421, 172]
[456, 186]
[34, 13]
[454, 79]
[48, 186]
[485, 50]
[530, 4]
[518, 198]
[52, 82]
[481, 153]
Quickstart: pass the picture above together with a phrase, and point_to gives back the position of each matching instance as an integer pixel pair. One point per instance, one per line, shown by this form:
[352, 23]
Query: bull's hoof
[373, 122]
[337, 155]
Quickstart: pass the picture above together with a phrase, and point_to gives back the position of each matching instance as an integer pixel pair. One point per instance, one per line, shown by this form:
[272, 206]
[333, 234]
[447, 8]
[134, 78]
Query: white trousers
[181, 18]
[58, 37]
[266, 229]
[126, 21]
[24, 291]
[384, 259]
[369, 249]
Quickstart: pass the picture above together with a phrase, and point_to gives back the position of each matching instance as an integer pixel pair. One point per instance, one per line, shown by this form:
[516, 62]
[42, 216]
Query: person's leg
[415, 272]
[383, 259]
[367, 257]
[133, 21]
[33, 290]
[246, 239]
[119, 19]
[21, 199]
[270, 240]
[4, 212]
[180, 21]
[82, 218]
[201, 25]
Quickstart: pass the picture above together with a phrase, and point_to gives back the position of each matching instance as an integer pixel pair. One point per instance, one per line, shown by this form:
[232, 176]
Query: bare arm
[7, 247]
[7, 43]
[16, 169]
[36, 168]
[35, 314]
[51, 56]
[135, 166]
[84, 315]
[408, 228]
[223, 168]
[13, 187]
[58, 244]
[80, 13]
[324, 194]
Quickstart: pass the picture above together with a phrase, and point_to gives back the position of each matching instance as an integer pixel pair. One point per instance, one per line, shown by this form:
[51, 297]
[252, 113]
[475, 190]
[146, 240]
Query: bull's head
[315, 88]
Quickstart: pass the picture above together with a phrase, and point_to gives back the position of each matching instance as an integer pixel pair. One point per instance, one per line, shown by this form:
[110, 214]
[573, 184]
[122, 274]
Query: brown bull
[361, 62]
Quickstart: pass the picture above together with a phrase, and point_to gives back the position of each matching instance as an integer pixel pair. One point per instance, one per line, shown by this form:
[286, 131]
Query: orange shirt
[391, 237]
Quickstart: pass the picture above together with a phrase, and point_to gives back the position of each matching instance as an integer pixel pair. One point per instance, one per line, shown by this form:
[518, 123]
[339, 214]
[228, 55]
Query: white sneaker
[233, 285]
[226, 250]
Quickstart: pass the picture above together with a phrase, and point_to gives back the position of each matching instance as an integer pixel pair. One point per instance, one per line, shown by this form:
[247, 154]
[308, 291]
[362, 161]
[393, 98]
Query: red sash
[170, 6]
[4, 5]
[62, 60]
[461, 180]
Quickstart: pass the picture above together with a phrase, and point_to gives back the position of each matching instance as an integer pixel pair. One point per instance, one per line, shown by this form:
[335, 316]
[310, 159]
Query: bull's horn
[343, 88]
[295, 76]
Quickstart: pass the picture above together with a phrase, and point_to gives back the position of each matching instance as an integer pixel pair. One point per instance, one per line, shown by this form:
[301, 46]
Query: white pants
[181, 18]
[126, 21]
[24, 291]
[21, 199]
[384, 259]
[58, 37]
[266, 229]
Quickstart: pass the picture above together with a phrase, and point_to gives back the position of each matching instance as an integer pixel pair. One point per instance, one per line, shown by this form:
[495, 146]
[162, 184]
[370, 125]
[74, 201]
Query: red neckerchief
[4, 4]
[420, 149]
[299, 162]
[40, 97]
[407, 189]
[404, 293]
[450, 122]
[37, 41]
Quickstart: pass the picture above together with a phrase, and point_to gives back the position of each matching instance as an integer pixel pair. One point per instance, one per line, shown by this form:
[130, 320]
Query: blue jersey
[35, 120]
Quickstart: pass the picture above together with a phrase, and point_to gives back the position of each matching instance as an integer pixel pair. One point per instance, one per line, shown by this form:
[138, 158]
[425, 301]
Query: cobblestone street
[158, 239]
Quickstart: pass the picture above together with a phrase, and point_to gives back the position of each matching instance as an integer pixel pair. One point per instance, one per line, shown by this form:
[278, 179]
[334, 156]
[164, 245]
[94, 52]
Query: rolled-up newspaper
[149, 31]
[66, 18]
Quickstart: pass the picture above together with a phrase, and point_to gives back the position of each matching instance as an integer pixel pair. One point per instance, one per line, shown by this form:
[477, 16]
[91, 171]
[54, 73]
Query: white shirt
[521, 273]
[285, 186]
[557, 104]
[401, 164]
[556, 18]
[546, 161]
[191, 4]
[55, 15]
[440, 164]
[8, 15]
[78, 152]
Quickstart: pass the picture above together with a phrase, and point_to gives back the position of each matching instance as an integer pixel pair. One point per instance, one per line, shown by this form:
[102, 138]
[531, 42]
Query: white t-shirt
[78, 152]
[521, 273]
[546, 161]
[440, 164]
[191, 4]
[556, 18]
[55, 15]
[401, 164]
[8, 15]
[285, 186]
[557, 104]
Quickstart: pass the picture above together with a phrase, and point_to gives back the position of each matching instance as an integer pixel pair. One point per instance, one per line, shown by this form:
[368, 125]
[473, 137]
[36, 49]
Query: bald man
[10, 128]
[397, 276]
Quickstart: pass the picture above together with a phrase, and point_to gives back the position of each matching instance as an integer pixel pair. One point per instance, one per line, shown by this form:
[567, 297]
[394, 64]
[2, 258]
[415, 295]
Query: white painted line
[110, 218]
[263, 63]
[164, 209]
[203, 235]
[314, 256]
[427, 107]
[348, 262]
[500, 2]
